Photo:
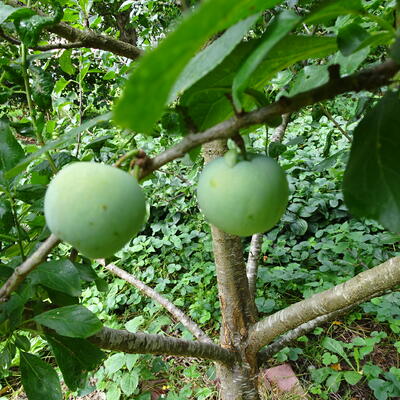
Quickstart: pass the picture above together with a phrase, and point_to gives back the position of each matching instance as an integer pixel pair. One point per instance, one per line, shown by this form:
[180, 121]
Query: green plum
[94, 207]
[243, 197]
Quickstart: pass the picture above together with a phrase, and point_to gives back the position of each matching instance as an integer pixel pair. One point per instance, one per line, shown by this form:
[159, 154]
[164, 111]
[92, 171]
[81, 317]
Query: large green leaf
[351, 38]
[60, 275]
[276, 31]
[371, 181]
[39, 379]
[10, 150]
[206, 100]
[64, 141]
[75, 357]
[148, 88]
[206, 60]
[5, 11]
[73, 321]
[333, 8]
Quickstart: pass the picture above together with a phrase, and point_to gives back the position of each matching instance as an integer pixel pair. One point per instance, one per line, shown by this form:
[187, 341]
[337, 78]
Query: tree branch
[365, 285]
[26, 267]
[279, 132]
[89, 39]
[168, 305]
[145, 343]
[368, 79]
[264, 355]
[252, 261]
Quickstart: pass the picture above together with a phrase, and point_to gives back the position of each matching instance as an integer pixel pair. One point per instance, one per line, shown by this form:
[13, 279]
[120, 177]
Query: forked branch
[26, 267]
[189, 324]
[365, 285]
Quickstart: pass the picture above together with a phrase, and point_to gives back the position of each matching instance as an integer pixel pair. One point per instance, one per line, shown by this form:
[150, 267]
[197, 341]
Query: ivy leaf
[73, 321]
[11, 151]
[42, 87]
[39, 379]
[276, 31]
[158, 70]
[351, 38]
[60, 275]
[75, 357]
[372, 175]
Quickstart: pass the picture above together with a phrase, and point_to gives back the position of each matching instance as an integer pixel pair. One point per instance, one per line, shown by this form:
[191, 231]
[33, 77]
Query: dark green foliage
[371, 179]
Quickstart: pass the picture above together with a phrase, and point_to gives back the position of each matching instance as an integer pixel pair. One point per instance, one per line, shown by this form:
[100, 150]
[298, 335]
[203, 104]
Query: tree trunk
[238, 382]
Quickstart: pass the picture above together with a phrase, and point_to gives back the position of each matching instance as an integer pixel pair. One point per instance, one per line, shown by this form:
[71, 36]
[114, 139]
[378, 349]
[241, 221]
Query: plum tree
[243, 197]
[94, 207]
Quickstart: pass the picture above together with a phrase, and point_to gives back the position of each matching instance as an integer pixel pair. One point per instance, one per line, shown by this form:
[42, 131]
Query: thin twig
[252, 261]
[26, 267]
[333, 120]
[189, 324]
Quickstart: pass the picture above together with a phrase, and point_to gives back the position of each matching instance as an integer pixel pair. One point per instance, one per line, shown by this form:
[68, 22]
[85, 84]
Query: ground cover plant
[183, 309]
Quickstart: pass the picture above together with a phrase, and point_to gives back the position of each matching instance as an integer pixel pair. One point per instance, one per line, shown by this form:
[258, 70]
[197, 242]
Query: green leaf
[65, 62]
[352, 377]
[206, 60]
[371, 178]
[39, 379]
[22, 342]
[30, 193]
[10, 150]
[75, 357]
[351, 38]
[29, 25]
[160, 68]
[276, 30]
[60, 275]
[333, 382]
[129, 383]
[42, 86]
[335, 347]
[350, 63]
[333, 8]
[114, 363]
[73, 321]
[64, 141]
[6, 217]
[395, 50]
[206, 100]
[311, 76]
[134, 324]
[5, 12]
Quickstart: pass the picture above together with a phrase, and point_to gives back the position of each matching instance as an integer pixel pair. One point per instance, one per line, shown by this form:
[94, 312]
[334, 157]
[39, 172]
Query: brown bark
[237, 308]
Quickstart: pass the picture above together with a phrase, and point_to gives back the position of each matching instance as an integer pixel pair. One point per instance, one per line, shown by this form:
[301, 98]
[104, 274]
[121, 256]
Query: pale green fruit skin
[249, 197]
[94, 207]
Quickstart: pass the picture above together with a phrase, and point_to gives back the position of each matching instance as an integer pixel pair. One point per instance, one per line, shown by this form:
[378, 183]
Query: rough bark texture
[145, 343]
[237, 307]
